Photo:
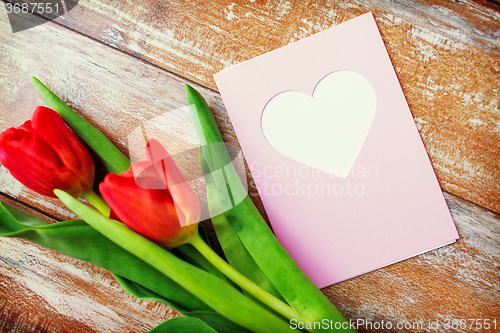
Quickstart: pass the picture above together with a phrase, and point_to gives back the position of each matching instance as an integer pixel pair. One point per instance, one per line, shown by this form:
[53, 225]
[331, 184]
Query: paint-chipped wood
[44, 291]
[446, 54]
[458, 281]
[447, 59]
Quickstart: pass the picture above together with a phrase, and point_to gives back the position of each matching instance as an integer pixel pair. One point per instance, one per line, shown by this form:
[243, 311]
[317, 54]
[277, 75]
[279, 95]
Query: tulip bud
[153, 199]
[44, 155]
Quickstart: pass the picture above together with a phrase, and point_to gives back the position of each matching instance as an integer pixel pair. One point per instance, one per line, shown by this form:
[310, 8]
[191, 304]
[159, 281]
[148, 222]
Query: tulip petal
[114, 160]
[149, 212]
[72, 154]
[185, 200]
[214, 292]
[33, 162]
[79, 240]
[44, 155]
[153, 199]
[146, 175]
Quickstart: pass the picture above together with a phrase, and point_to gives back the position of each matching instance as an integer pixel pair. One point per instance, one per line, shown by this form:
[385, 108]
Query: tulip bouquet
[145, 226]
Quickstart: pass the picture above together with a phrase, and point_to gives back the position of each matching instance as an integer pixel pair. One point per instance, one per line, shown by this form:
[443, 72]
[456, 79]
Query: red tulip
[153, 199]
[44, 155]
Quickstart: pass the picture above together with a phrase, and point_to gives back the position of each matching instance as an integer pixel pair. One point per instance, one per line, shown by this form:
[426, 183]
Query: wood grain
[458, 281]
[446, 54]
[44, 291]
[115, 92]
[454, 103]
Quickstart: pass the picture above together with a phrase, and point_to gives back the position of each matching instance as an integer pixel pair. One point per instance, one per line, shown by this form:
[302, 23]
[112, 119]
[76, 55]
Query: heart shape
[325, 131]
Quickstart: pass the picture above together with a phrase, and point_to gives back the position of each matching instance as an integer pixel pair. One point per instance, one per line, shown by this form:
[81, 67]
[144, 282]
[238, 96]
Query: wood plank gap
[28, 208]
[136, 320]
[470, 202]
[12, 263]
[453, 104]
[183, 78]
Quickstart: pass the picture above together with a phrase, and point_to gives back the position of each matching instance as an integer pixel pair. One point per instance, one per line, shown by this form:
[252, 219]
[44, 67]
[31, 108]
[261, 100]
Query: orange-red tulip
[44, 155]
[153, 199]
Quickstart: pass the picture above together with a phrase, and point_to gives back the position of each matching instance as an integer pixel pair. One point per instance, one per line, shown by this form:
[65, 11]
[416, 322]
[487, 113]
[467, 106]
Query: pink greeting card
[335, 153]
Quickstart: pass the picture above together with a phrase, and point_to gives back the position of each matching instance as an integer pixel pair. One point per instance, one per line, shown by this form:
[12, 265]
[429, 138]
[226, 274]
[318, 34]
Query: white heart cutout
[325, 131]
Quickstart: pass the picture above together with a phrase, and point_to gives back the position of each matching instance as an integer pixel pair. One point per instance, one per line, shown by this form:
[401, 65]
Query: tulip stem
[96, 200]
[266, 298]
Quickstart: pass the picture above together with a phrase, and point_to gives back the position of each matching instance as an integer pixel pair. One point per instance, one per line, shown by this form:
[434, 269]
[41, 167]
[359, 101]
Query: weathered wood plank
[120, 93]
[446, 140]
[458, 281]
[112, 90]
[44, 291]
[446, 54]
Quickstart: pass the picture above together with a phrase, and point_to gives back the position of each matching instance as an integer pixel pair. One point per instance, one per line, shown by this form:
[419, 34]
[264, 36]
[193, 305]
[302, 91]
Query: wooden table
[120, 63]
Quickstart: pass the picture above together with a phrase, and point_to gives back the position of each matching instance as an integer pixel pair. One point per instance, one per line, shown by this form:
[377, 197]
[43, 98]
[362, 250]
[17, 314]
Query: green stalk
[244, 283]
[214, 292]
[236, 254]
[295, 287]
[96, 200]
[223, 186]
[114, 160]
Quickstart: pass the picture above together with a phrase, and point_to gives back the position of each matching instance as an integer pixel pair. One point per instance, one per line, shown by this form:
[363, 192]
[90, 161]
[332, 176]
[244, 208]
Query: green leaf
[287, 277]
[13, 219]
[183, 325]
[139, 291]
[215, 321]
[253, 232]
[222, 182]
[114, 160]
[194, 257]
[211, 318]
[208, 135]
[216, 293]
[79, 240]
[211, 322]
